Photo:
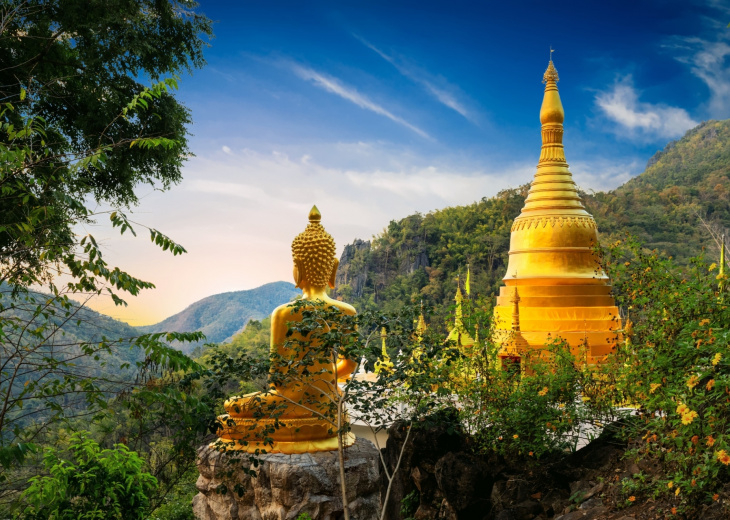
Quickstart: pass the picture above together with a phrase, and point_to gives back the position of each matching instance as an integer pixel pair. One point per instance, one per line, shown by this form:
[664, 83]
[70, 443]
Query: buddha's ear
[333, 274]
[298, 272]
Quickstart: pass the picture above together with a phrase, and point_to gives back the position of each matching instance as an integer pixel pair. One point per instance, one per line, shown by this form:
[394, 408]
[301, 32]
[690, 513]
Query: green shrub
[89, 483]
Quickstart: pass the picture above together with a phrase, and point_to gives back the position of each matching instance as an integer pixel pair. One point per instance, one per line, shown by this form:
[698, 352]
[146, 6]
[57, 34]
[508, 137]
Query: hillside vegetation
[420, 256]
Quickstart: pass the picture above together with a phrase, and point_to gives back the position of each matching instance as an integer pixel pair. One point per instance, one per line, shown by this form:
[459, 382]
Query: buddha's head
[313, 250]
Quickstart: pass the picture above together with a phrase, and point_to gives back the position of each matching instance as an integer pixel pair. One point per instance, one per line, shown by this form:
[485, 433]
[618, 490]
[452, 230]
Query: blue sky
[374, 110]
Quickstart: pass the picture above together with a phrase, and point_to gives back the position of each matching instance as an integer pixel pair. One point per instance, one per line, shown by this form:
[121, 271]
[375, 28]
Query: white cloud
[621, 105]
[709, 62]
[604, 174]
[437, 86]
[226, 149]
[335, 86]
[237, 214]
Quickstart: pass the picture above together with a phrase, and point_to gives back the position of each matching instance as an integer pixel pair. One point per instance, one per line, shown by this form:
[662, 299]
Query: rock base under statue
[288, 485]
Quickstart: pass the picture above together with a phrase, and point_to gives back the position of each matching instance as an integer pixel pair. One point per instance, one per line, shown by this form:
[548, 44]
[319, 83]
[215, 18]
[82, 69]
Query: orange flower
[710, 440]
[715, 497]
[693, 483]
[695, 439]
[515, 436]
[704, 322]
[710, 384]
[543, 391]
[674, 510]
[530, 454]
[723, 457]
[692, 382]
[632, 498]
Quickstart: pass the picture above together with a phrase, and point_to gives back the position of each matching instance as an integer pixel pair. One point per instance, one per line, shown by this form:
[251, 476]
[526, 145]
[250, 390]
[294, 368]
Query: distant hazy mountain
[221, 316]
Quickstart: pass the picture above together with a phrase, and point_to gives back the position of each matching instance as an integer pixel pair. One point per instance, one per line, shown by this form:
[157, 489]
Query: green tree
[72, 71]
[89, 483]
[78, 128]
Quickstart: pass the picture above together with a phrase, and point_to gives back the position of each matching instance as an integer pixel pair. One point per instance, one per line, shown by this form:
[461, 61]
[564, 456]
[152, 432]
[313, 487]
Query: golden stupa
[563, 292]
[294, 416]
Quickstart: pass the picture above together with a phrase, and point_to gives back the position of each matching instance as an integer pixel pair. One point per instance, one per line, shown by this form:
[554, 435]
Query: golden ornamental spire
[563, 291]
[384, 364]
[553, 201]
[516, 311]
[551, 73]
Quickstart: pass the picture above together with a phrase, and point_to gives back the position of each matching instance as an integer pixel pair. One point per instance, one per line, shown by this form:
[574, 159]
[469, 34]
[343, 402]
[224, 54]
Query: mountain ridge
[221, 316]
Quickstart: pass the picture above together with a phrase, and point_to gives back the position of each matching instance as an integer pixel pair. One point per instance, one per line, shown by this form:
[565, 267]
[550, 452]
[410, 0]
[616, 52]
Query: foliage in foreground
[90, 483]
[670, 369]
[674, 366]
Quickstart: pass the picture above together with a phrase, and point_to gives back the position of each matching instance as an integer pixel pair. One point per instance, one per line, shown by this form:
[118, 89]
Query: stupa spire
[553, 201]
[553, 187]
[563, 291]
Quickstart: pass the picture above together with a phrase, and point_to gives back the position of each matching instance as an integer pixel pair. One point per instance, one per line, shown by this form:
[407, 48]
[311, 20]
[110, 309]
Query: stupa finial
[551, 73]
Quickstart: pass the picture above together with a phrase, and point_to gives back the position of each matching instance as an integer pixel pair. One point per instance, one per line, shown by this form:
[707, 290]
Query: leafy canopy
[78, 125]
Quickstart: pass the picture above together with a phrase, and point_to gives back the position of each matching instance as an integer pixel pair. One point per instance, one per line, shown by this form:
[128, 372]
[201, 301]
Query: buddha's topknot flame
[315, 251]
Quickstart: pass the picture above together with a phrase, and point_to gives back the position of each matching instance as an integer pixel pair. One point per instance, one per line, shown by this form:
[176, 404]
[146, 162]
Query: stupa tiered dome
[563, 291]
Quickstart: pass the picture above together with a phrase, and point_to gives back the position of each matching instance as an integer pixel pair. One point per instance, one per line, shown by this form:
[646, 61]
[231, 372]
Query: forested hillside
[221, 316]
[420, 256]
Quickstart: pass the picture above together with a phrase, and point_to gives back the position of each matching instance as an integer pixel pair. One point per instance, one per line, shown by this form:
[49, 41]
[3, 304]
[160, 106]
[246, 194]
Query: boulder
[281, 487]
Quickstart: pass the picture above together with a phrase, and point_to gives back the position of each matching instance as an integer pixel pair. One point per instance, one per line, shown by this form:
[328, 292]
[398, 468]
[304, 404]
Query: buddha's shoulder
[344, 307]
[284, 308]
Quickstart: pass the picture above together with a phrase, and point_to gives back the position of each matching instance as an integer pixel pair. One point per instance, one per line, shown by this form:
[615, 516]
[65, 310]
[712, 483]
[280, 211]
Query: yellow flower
[692, 382]
[515, 436]
[716, 359]
[713, 266]
[710, 384]
[670, 484]
[676, 492]
[688, 417]
[543, 391]
[654, 387]
[682, 408]
[723, 457]
[704, 322]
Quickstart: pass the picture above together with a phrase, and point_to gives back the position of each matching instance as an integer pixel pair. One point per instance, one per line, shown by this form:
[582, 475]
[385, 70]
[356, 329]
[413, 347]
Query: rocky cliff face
[351, 275]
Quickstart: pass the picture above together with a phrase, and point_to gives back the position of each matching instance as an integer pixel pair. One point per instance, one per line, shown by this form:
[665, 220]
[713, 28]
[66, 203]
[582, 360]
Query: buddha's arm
[345, 367]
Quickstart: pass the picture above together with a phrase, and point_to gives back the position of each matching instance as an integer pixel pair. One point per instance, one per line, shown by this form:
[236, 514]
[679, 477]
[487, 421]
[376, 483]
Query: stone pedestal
[285, 486]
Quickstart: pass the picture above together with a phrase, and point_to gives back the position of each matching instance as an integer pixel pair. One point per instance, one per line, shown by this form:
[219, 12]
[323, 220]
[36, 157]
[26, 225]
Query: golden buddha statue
[563, 291]
[301, 422]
